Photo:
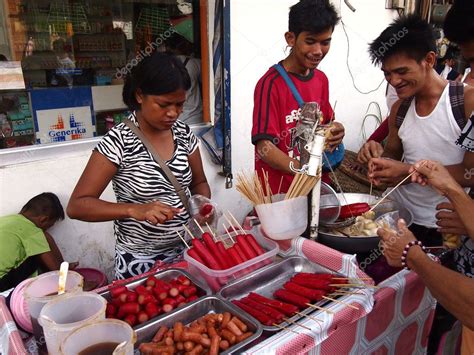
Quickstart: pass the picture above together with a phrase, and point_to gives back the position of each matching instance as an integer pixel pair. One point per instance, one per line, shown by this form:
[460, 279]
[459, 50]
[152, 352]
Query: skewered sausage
[299, 301]
[313, 295]
[260, 316]
[205, 255]
[286, 308]
[272, 312]
[254, 244]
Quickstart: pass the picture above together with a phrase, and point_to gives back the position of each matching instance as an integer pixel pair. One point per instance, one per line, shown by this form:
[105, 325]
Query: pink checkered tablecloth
[395, 319]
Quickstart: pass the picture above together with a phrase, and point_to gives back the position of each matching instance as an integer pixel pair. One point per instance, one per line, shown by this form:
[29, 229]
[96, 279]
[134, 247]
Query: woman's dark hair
[459, 22]
[409, 35]
[313, 16]
[45, 204]
[157, 74]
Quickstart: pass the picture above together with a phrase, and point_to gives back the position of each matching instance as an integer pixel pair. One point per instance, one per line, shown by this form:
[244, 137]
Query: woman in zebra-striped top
[148, 210]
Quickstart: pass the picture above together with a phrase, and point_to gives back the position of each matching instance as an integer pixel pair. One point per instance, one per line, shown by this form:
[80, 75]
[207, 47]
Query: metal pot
[361, 244]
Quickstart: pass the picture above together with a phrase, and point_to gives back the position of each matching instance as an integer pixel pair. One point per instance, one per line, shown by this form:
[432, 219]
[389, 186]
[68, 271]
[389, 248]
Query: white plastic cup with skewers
[284, 219]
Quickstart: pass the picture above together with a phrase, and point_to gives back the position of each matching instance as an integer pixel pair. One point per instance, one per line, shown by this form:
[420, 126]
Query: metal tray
[271, 278]
[164, 275]
[198, 309]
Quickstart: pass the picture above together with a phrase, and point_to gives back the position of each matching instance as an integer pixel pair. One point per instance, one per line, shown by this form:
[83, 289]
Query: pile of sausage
[150, 299]
[217, 257]
[207, 335]
[301, 290]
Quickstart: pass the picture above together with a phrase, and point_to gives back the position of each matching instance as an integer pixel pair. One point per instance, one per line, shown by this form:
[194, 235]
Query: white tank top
[430, 137]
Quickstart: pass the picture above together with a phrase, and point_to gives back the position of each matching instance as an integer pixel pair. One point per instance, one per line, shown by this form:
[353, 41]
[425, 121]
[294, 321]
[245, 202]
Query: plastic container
[93, 334]
[67, 312]
[43, 289]
[216, 279]
[93, 278]
[286, 219]
[19, 307]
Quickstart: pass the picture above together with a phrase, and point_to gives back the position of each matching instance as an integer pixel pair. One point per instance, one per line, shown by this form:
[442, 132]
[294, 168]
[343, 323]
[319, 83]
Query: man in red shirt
[276, 111]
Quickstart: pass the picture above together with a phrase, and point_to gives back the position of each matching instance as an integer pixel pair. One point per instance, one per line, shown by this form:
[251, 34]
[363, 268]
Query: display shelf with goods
[16, 121]
[104, 50]
[105, 120]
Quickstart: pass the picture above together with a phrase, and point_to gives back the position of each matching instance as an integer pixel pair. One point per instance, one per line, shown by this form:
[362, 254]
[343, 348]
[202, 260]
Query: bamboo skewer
[307, 316]
[184, 241]
[199, 226]
[279, 186]
[353, 285]
[258, 191]
[230, 224]
[320, 308]
[342, 292]
[210, 230]
[188, 231]
[285, 328]
[396, 186]
[341, 302]
[227, 231]
[295, 323]
[237, 222]
[351, 278]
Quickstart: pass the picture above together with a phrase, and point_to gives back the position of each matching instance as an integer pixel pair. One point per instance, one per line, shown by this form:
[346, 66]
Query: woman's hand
[432, 173]
[394, 242]
[369, 150]
[337, 134]
[153, 212]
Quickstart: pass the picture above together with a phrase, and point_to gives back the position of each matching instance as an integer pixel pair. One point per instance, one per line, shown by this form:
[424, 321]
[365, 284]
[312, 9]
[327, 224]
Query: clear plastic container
[92, 336]
[286, 219]
[67, 312]
[216, 279]
[43, 289]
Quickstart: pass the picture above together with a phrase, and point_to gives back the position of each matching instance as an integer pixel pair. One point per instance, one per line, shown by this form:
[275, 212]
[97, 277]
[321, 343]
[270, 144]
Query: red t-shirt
[276, 112]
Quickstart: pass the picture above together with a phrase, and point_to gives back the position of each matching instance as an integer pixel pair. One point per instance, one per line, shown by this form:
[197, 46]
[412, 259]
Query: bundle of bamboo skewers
[252, 188]
[301, 185]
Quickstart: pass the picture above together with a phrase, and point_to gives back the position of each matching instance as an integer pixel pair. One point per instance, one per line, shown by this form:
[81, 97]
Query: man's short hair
[45, 204]
[459, 23]
[313, 16]
[409, 35]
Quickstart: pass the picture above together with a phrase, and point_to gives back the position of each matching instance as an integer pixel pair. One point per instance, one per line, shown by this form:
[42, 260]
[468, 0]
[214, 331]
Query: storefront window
[74, 56]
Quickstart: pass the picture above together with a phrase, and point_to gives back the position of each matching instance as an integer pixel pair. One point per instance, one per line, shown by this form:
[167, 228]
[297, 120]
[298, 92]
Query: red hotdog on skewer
[246, 247]
[286, 308]
[234, 254]
[286, 296]
[254, 244]
[353, 210]
[315, 284]
[228, 259]
[212, 247]
[272, 312]
[313, 295]
[193, 254]
[260, 316]
[205, 255]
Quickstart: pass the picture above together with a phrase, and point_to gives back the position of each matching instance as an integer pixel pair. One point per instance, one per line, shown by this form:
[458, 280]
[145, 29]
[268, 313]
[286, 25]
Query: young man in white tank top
[427, 129]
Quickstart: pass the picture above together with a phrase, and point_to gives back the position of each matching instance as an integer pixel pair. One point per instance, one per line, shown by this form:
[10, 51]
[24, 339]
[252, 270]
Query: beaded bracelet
[405, 251]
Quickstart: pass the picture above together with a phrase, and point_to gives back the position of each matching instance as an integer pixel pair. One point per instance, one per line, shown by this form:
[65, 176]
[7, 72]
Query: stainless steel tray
[271, 278]
[195, 310]
[165, 275]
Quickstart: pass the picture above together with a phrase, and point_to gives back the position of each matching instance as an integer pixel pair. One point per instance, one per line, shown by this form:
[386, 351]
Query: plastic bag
[204, 213]
[388, 220]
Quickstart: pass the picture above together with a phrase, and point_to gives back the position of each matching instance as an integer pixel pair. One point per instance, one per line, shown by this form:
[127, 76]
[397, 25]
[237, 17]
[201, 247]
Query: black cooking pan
[361, 244]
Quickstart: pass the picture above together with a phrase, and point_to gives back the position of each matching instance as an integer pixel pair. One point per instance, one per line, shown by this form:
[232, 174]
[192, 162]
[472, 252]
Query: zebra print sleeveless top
[139, 179]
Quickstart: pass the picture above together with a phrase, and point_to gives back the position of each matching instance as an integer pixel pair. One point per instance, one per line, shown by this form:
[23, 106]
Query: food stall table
[396, 318]
[398, 321]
